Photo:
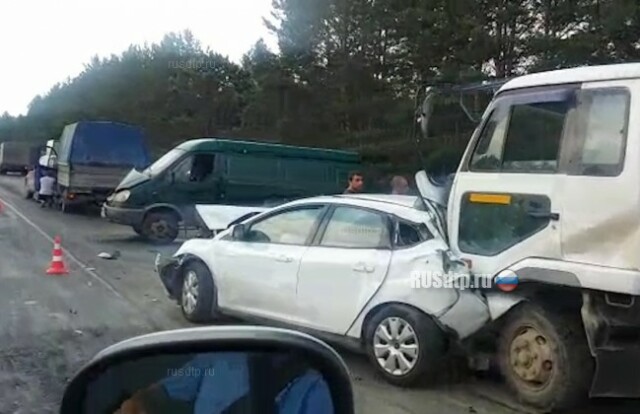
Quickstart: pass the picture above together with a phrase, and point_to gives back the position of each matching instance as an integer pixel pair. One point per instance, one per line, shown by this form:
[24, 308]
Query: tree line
[348, 74]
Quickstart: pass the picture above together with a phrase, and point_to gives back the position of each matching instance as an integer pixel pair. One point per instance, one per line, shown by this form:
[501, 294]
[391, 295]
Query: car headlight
[121, 196]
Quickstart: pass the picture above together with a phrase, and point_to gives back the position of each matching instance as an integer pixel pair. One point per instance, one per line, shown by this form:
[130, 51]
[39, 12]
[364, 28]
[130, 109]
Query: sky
[43, 42]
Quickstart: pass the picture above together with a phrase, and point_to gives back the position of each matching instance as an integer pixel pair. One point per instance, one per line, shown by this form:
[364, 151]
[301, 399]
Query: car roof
[575, 75]
[407, 207]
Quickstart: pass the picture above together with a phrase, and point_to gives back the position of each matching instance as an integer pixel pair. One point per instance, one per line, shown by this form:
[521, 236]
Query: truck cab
[548, 193]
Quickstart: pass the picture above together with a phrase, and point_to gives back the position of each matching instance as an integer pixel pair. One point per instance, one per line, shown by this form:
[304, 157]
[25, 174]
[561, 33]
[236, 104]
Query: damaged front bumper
[168, 268]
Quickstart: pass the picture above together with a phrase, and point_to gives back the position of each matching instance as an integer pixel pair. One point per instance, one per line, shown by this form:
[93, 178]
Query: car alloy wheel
[396, 346]
[190, 292]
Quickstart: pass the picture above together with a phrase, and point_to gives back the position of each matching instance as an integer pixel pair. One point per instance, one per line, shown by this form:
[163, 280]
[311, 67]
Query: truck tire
[544, 357]
[197, 292]
[160, 227]
[404, 345]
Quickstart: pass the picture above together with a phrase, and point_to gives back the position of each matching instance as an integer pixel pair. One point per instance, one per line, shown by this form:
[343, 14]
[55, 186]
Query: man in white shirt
[45, 195]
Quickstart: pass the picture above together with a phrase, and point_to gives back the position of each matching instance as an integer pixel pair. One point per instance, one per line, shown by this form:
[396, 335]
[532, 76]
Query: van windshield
[164, 162]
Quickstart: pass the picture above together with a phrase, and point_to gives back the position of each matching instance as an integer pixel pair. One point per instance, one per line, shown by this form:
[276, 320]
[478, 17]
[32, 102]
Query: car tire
[562, 378]
[197, 292]
[423, 332]
[160, 227]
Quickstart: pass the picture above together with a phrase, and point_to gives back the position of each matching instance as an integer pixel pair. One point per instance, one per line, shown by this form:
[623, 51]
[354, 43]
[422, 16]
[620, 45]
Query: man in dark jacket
[356, 183]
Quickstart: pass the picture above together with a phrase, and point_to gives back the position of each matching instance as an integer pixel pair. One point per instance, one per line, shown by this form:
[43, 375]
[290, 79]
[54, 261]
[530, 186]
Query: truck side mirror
[239, 232]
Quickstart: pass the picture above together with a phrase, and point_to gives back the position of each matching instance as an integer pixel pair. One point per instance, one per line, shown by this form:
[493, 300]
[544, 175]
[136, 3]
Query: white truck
[548, 191]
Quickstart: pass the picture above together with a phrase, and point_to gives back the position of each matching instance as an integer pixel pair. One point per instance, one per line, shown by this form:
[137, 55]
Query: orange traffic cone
[57, 266]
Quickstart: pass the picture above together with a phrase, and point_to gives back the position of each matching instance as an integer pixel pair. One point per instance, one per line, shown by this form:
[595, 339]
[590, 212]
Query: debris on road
[109, 256]
[30, 302]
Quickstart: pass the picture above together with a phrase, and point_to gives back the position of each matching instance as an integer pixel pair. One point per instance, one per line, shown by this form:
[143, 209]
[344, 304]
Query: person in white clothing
[45, 195]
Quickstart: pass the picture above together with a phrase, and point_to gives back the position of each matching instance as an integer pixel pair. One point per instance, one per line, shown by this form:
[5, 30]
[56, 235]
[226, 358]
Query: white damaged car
[341, 267]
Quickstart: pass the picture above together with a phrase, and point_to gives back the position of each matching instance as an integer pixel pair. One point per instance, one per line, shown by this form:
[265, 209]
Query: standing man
[399, 185]
[356, 183]
[45, 194]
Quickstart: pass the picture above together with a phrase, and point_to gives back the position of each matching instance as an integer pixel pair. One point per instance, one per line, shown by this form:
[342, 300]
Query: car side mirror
[239, 231]
[238, 368]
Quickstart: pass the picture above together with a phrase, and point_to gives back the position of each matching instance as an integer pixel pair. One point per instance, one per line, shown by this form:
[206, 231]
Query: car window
[290, 227]
[182, 171]
[196, 168]
[602, 131]
[356, 228]
[409, 234]
[522, 136]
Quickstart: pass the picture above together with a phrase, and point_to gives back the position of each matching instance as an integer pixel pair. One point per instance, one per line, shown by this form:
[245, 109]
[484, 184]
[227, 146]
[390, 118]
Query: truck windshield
[164, 162]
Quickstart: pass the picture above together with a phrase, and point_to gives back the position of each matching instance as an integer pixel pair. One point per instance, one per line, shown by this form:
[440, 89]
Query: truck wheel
[197, 292]
[404, 345]
[160, 227]
[545, 357]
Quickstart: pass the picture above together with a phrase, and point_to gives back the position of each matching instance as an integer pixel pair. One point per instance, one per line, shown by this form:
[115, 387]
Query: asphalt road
[52, 325]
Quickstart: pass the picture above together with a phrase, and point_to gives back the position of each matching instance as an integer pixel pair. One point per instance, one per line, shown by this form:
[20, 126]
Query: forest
[348, 74]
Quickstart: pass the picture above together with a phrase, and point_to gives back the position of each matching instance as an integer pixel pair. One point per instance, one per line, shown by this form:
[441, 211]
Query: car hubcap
[396, 346]
[531, 357]
[159, 228]
[190, 292]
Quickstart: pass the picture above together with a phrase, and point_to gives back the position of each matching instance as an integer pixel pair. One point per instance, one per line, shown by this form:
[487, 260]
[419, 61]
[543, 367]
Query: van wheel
[545, 359]
[197, 293]
[404, 345]
[160, 227]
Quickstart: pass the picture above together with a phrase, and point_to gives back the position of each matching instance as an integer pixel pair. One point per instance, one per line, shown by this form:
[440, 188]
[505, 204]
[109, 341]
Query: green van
[156, 201]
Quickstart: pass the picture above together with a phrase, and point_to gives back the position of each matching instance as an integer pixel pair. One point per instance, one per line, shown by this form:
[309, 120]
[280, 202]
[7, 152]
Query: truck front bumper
[125, 216]
[612, 325]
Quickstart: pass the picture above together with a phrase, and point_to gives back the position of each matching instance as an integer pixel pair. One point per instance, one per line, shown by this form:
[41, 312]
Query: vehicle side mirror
[239, 231]
[236, 368]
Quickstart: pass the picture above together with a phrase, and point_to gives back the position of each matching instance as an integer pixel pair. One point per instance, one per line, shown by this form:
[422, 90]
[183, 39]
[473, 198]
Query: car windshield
[164, 162]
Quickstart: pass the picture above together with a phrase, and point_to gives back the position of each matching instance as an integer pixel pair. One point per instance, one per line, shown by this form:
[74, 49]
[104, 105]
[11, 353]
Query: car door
[343, 268]
[506, 200]
[258, 275]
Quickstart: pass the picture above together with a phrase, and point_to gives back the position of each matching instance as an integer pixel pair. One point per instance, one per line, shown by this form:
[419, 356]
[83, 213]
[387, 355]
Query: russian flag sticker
[506, 281]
